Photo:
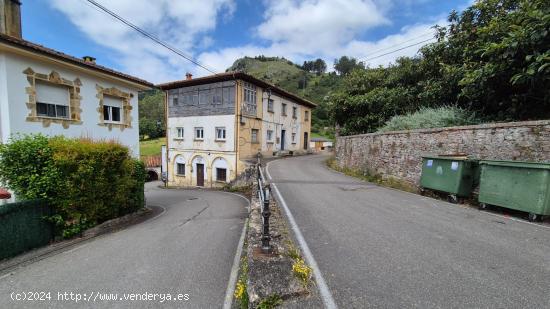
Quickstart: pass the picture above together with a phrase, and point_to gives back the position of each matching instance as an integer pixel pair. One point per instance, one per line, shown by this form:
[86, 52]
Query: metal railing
[264, 195]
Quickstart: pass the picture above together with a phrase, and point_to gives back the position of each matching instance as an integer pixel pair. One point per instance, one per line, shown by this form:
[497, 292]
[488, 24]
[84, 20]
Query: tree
[346, 64]
[151, 114]
[319, 66]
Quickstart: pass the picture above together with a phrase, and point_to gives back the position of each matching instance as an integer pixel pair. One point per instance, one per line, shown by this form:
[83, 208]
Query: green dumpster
[523, 186]
[454, 175]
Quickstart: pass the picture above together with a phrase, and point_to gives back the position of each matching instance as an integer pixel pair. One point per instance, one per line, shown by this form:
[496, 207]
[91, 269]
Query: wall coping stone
[484, 126]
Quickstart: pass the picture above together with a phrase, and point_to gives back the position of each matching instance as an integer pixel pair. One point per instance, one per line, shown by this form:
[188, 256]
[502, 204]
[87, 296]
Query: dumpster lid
[522, 164]
[457, 157]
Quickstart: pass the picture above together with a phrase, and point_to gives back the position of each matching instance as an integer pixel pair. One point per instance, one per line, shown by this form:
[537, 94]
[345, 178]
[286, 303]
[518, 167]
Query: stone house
[49, 92]
[216, 123]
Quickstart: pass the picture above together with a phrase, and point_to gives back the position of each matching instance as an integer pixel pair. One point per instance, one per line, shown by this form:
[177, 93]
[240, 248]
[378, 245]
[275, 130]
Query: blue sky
[217, 32]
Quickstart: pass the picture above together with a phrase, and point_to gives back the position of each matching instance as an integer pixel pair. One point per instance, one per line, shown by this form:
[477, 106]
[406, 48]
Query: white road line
[234, 271]
[323, 288]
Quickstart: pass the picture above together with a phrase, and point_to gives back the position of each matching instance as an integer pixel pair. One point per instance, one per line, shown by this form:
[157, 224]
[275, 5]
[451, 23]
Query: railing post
[266, 213]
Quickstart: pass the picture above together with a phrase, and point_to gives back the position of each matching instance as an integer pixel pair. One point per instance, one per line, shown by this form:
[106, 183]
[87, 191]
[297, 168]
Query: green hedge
[23, 227]
[425, 118]
[87, 182]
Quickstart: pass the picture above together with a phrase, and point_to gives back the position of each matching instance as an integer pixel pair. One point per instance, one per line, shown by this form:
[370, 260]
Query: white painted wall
[209, 124]
[277, 122]
[13, 94]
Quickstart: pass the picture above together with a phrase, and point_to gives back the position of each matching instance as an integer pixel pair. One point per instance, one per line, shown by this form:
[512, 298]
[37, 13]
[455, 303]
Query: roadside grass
[241, 289]
[151, 147]
[377, 179]
[318, 135]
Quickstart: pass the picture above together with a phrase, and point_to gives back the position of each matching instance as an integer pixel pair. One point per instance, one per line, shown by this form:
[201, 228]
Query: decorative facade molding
[126, 112]
[55, 79]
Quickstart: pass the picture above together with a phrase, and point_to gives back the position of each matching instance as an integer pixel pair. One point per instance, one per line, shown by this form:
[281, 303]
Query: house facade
[215, 124]
[46, 91]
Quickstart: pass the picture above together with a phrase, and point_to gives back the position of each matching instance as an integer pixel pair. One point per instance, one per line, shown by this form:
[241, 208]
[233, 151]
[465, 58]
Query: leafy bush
[425, 118]
[86, 181]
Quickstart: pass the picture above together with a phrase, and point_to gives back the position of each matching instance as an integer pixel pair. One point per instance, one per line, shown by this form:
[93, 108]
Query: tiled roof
[234, 76]
[24, 44]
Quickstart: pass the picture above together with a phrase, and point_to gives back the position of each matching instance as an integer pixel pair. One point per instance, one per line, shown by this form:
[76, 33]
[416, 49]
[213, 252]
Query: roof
[234, 76]
[39, 49]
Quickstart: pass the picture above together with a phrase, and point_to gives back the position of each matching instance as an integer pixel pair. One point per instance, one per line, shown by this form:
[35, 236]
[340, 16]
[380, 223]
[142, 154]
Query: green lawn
[316, 135]
[151, 147]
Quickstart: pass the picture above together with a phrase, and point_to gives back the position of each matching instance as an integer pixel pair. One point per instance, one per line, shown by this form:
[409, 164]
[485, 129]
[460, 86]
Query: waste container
[454, 175]
[523, 186]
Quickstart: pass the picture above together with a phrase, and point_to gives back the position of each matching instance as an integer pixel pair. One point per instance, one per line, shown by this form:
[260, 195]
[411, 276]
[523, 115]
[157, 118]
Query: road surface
[188, 249]
[382, 248]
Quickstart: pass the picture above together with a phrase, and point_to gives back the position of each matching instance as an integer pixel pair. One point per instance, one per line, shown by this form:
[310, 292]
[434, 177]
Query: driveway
[187, 251]
[382, 248]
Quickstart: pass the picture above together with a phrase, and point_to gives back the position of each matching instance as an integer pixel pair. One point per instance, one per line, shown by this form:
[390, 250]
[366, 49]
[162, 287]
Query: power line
[150, 36]
[398, 44]
[396, 50]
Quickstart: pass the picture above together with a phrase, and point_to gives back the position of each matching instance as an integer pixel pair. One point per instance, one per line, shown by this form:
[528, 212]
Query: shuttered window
[52, 100]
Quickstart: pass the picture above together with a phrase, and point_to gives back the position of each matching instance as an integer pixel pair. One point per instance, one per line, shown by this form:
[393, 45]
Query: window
[249, 98]
[175, 100]
[255, 136]
[294, 112]
[294, 138]
[52, 100]
[111, 108]
[181, 168]
[283, 109]
[270, 105]
[180, 132]
[220, 133]
[306, 115]
[270, 135]
[221, 174]
[199, 133]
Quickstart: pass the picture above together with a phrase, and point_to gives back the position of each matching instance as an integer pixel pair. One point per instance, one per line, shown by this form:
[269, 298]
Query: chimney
[89, 59]
[10, 18]
[188, 76]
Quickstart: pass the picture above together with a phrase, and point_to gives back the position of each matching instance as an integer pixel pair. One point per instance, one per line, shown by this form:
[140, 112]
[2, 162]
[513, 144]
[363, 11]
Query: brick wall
[398, 154]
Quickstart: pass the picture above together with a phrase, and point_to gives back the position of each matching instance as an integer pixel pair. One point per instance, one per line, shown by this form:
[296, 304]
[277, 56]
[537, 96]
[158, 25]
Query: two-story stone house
[49, 92]
[216, 123]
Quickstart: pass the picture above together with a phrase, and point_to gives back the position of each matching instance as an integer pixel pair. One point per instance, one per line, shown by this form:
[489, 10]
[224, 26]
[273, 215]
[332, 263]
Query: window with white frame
[199, 133]
[52, 100]
[249, 98]
[294, 138]
[112, 107]
[254, 136]
[180, 132]
[270, 136]
[283, 109]
[294, 112]
[270, 105]
[181, 169]
[220, 133]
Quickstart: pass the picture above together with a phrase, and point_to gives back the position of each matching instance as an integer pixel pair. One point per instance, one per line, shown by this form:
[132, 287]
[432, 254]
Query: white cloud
[182, 23]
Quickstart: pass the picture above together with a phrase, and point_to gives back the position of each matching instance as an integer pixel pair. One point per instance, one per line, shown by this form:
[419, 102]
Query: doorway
[200, 175]
[283, 133]
[305, 140]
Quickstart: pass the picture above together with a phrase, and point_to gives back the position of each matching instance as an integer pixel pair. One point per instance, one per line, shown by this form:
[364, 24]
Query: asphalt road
[188, 249]
[382, 248]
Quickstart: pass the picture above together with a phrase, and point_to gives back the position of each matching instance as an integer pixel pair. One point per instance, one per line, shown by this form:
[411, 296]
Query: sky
[218, 32]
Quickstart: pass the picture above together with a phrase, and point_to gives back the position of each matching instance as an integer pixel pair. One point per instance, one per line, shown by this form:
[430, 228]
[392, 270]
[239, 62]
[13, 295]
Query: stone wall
[398, 154]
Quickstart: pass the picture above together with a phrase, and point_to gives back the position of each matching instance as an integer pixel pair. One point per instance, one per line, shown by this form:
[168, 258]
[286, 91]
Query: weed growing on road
[301, 270]
[270, 302]
[241, 292]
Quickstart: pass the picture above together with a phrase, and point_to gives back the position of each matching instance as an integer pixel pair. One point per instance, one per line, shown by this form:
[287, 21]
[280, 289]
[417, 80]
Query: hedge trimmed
[87, 182]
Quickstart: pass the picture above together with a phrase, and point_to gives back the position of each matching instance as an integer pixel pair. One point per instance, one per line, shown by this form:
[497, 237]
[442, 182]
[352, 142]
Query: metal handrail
[264, 197]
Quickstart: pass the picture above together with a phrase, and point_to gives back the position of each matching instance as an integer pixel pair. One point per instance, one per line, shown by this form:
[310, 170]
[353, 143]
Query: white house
[49, 92]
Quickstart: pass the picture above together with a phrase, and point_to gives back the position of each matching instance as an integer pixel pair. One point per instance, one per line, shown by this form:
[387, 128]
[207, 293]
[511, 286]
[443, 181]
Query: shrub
[425, 118]
[86, 181]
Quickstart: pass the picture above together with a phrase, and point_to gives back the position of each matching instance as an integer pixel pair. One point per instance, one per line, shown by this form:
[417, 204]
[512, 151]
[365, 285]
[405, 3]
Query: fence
[23, 227]
[264, 196]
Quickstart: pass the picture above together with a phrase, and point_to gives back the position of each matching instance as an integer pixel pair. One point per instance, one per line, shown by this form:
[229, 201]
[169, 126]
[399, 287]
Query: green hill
[291, 77]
